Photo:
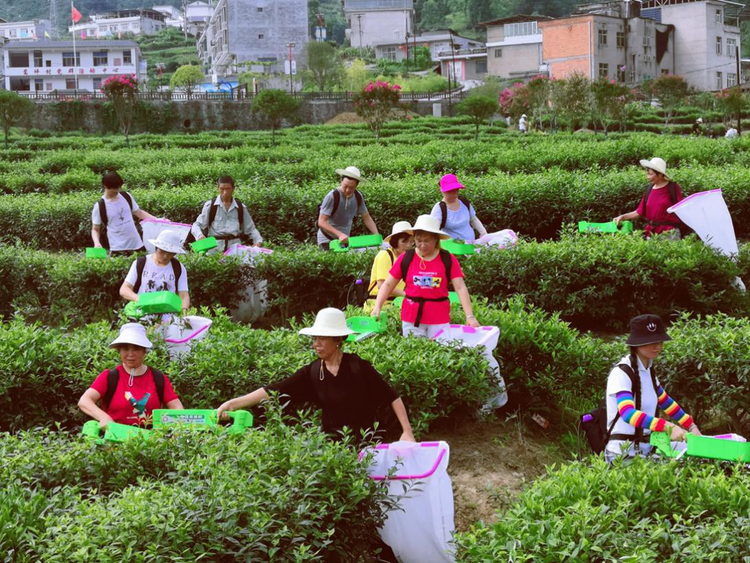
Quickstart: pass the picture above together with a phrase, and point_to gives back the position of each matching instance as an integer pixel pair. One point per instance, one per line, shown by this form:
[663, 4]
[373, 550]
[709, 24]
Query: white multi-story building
[114, 24]
[378, 22]
[707, 38]
[436, 41]
[45, 66]
[197, 15]
[514, 46]
[172, 16]
[25, 31]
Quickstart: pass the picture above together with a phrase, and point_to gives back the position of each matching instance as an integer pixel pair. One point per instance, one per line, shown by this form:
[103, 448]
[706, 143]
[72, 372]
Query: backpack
[212, 216]
[357, 295]
[682, 227]
[140, 264]
[594, 422]
[336, 202]
[113, 376]
[445, 256]
[444, 210]
[103, 238]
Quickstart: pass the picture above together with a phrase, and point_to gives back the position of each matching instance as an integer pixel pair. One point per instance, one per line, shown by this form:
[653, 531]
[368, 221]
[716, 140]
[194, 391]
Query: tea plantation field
[283, 492]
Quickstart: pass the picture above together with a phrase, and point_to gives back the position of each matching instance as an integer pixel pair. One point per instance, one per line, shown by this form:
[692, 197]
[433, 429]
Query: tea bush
[282, 493]
[669, 512]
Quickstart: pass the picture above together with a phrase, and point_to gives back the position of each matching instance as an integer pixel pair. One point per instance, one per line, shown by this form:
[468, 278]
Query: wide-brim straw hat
[169, 241]
[398, 228]
[328, 322]
[657, 165]
[647, 329]
[350, 172]
[132, 333]
[449, 182]
[428, 224]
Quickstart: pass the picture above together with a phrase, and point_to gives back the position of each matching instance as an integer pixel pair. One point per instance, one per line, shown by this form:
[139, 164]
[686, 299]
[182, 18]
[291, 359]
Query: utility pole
[184, 18]
[407, 52]
[450, 72]
[359, 24]
[739, 87]
[291, 84]
[53, 18]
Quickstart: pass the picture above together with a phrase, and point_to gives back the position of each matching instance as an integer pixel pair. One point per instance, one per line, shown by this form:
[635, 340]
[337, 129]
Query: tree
[121, 91]
[375, 104]
[514, 100]
[187, 77]
[610, 99]
[671, 91]
[731, 102]
[13, 108]
[324, 69]
[355, 76]
[479, 109]
[538, 93]
[572, 99]
[275, 106]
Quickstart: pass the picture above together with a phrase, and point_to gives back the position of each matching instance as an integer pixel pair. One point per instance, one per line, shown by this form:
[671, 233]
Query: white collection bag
[485, 337]
[254, 300]
[422, 529]
[152, 228]
[707, 214]
[501, 239]
[181, 333]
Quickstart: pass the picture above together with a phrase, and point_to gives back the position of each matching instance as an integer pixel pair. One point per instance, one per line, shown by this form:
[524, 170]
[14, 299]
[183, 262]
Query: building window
[602, 37]
[731, 47]
[603, 70]
[259, 9]
[665, 71]
[38, 59]
[719, 18]
[523, 28]
[18, 60]
[731, 79]
[70, 83]
[100, 58]
[389, 53]
[498, 53]
[621, 74]
[260, 36]
[621, 39]
[719, 81]
[97, 84]
[48, 86]
[127, 57]
[718, 45]
[481, 67]
[68, 59]
[38, 84]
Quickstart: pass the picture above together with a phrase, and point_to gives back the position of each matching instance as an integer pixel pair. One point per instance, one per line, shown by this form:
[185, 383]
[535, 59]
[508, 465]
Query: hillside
[19, 10]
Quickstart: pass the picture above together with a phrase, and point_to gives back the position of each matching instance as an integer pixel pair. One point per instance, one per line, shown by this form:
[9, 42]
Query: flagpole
[75, 56]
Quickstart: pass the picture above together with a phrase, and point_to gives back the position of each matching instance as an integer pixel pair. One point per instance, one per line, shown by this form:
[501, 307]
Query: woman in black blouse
[347, 388]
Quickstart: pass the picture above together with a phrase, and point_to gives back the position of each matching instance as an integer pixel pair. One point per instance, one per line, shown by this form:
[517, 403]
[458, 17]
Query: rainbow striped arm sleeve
[628, 412]
[670, 407]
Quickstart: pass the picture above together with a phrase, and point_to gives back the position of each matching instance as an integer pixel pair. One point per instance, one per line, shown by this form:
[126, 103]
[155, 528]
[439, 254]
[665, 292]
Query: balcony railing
[462, 52]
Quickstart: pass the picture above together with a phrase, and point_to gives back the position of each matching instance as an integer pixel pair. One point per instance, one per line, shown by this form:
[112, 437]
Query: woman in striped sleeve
[630, 419]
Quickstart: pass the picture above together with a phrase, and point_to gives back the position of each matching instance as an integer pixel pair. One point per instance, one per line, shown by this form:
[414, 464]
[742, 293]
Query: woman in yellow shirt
[400, 242]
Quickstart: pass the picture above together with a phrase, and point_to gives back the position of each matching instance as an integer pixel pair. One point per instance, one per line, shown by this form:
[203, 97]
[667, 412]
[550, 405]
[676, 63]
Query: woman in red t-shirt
[135, 393]
[426, 309]
[654, 212]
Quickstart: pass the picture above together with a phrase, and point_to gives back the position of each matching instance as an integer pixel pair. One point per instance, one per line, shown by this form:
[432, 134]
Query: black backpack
[682, 227]
[336, 202]
[103, 238]
[113, 376]
[594, 422]
[140, 264]
[212, 216]
[445, 256]
[444, 210]
[357, 295]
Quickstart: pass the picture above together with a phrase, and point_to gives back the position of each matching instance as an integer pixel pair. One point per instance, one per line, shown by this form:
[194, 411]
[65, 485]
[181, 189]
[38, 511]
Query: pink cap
[450, 182]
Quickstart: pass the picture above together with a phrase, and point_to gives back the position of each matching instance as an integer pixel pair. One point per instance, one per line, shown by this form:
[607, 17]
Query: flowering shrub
[375, 103]
[121, 91]
[730, 101]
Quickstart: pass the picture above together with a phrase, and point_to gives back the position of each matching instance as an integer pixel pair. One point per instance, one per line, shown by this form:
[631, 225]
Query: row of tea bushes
[532, 204]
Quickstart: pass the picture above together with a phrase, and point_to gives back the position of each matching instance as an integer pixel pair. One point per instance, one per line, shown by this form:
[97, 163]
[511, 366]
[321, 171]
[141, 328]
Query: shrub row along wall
[281, 494]
[644, 511]
[534, 205]
[548, 367]
[592, 281]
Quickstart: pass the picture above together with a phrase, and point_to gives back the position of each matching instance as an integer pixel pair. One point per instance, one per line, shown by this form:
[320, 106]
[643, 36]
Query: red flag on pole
[75, 14]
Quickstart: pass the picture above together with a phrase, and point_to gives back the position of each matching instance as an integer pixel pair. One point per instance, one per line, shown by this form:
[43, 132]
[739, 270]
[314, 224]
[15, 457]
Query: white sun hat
[132, 333]
[657, 165]
[429, 224]
[328, 322]
[398, 228]
[169, 241]
[350, 172]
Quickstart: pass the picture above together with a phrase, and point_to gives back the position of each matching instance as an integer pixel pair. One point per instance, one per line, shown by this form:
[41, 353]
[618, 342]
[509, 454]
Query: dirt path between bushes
[491, 462]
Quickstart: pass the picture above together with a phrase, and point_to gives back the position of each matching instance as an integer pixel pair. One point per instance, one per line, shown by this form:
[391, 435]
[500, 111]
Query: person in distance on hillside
[400, 241]
[115, 211]
[660, 196]
[427, 272]
[522, 124]
[698, 127]
[226, 218]
[349, 391]
[455, 213]
[340, 207]
[159, 271]
[129, 393]
[629, 423]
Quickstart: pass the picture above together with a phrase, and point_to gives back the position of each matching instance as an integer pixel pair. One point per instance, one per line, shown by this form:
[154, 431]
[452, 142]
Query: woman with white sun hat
[159, 271]
[348, 390]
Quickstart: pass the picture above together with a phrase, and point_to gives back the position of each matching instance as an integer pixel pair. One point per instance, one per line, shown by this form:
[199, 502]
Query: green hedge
[667, 512]
[282, 494]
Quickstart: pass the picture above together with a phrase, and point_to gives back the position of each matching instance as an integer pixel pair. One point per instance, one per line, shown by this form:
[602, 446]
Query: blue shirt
[457, 223]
